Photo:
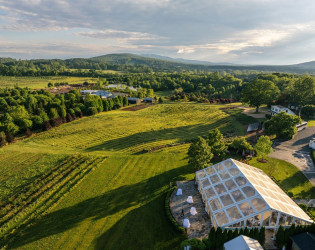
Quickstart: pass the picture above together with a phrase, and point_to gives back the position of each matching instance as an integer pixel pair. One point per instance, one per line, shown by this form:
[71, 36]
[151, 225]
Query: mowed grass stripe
[68, 241]
[131, 129]
[96, 227]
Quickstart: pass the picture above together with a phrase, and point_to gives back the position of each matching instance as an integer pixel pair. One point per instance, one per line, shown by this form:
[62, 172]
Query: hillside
[138, 64]
[95, 182]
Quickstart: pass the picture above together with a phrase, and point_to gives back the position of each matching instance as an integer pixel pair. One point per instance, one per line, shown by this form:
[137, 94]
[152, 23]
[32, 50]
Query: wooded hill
[135, 64]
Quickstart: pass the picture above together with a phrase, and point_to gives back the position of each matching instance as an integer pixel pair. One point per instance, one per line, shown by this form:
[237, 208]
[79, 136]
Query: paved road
[297, 152]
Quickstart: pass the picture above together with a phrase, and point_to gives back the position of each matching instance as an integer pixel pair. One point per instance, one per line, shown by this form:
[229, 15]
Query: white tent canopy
[186, 223]
[242, 243]
[193, 211]
[190, 199]
[179, 191]
[238, 195]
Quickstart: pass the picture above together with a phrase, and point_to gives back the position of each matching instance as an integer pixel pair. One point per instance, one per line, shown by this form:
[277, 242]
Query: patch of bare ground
[138, 107]
[200, 223]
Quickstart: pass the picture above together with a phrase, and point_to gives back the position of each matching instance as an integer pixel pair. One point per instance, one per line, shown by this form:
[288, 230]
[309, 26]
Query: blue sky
[237, 31]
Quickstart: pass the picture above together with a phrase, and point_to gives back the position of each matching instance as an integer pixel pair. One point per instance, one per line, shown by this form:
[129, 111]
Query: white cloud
[205, 29]
[119, 35]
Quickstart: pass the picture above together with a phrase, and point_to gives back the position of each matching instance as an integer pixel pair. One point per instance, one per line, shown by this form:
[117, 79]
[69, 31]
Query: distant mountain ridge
[153, 60]
[167, 64]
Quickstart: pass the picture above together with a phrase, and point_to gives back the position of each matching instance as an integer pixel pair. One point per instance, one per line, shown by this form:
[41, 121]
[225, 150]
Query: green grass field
[40, 82]
[289, 176]
[95, 187]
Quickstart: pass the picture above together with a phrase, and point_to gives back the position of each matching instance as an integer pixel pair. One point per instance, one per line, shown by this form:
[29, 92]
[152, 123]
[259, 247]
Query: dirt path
[248, 111]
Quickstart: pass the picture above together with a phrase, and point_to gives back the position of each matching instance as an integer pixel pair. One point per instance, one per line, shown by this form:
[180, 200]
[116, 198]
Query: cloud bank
[239, 31]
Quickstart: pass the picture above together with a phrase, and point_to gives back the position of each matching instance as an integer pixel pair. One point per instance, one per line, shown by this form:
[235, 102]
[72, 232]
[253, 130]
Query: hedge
[178, 227]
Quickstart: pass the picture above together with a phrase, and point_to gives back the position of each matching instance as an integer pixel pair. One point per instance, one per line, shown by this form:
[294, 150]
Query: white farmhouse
[275, 109]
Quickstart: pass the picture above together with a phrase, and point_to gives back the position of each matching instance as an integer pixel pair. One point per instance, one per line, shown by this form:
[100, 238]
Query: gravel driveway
[297, 152]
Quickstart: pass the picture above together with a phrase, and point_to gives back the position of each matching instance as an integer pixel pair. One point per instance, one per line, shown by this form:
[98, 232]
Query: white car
[312, 144]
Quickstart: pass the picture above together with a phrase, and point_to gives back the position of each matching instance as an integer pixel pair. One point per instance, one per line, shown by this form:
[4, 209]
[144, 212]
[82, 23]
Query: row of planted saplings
[55, 191]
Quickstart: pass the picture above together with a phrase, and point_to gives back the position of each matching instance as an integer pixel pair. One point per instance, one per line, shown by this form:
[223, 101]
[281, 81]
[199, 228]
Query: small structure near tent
[242, 243]
[186, 223]
[179, 191]
[193, 211]
[190, 199]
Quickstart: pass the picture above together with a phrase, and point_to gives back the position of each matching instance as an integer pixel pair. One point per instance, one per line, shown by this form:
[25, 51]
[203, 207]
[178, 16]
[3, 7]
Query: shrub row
[283, 234]
[178, 227]
[217, 238]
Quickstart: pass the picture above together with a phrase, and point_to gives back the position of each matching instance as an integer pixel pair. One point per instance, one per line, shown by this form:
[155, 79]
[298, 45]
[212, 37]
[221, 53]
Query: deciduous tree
[263, 147]
[258, 92]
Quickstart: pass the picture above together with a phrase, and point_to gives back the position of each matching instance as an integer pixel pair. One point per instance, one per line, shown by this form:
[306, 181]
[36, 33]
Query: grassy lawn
[311, 123]
[122, 199]
[289, 176]
[119, 204]
[134, 131]
[40, 82]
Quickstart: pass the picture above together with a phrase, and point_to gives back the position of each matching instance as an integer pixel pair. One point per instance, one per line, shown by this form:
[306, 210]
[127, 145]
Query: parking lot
[297, 152]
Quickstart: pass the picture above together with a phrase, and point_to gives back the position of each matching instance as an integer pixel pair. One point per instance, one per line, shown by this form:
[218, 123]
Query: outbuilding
[134, 100]
[303, 241]
[149, 100]
[242, 243]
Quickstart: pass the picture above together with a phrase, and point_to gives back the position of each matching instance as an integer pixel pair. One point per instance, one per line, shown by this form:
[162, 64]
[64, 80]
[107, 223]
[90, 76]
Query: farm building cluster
[275, 109]
[107, 95]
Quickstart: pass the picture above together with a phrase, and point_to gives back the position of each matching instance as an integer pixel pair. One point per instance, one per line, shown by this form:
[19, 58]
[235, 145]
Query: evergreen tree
[215, 141]
[212, 238]
[125, 101]
[218, 238]
[230, 235]
[280, 237]
[262, 236]
[199, 154]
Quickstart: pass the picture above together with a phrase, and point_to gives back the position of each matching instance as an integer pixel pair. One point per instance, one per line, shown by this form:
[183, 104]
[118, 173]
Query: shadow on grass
[182, 133]
[150, 216]
[296, 180]
[142, 228]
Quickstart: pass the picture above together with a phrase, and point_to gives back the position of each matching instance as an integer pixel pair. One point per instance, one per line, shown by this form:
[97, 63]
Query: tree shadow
[149, 191]
[152, 232]
[182, 134]
[296, 180]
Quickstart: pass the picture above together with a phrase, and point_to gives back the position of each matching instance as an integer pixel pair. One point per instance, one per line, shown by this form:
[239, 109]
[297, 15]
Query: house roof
[279, 106]
[242, 243]
[305, 241]
[235, 191]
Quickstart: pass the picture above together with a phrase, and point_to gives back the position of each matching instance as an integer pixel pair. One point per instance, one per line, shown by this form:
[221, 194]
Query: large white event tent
[238, 195]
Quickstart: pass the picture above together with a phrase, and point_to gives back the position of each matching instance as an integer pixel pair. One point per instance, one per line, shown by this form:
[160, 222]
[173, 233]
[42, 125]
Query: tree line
[24, 110]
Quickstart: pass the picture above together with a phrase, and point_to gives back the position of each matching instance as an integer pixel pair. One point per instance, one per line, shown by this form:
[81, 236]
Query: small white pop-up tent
[190, 199]
[242, 243]
[186, 223]
[179, 191]
[193, 211]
